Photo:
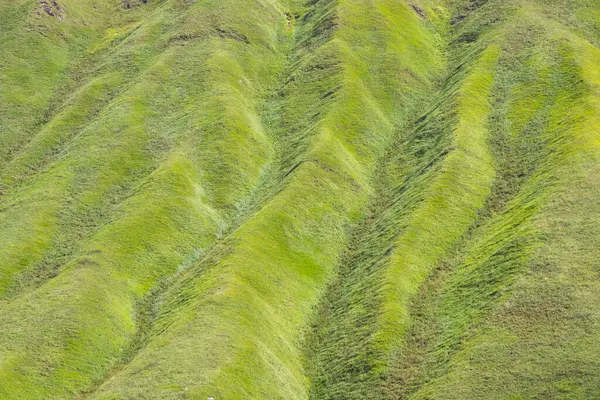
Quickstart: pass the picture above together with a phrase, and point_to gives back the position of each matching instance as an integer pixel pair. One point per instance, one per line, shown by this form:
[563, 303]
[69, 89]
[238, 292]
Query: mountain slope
[328, 199]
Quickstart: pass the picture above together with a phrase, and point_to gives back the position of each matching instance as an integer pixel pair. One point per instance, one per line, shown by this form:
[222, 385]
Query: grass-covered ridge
[293, 199]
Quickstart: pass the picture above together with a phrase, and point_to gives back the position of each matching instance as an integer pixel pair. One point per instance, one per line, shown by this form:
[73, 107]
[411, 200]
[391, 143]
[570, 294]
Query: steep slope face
[332, 199]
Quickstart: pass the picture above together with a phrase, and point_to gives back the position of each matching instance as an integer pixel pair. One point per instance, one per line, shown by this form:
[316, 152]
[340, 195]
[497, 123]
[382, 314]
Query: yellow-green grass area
[509, 314]
[232, 326]
[292, 199]
[156, 139]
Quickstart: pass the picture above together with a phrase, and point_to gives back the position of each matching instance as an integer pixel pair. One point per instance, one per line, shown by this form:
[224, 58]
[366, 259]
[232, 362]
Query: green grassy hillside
[299, 199]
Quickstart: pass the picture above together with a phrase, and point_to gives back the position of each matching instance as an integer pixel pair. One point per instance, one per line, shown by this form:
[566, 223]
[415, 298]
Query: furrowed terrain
[299, 199]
